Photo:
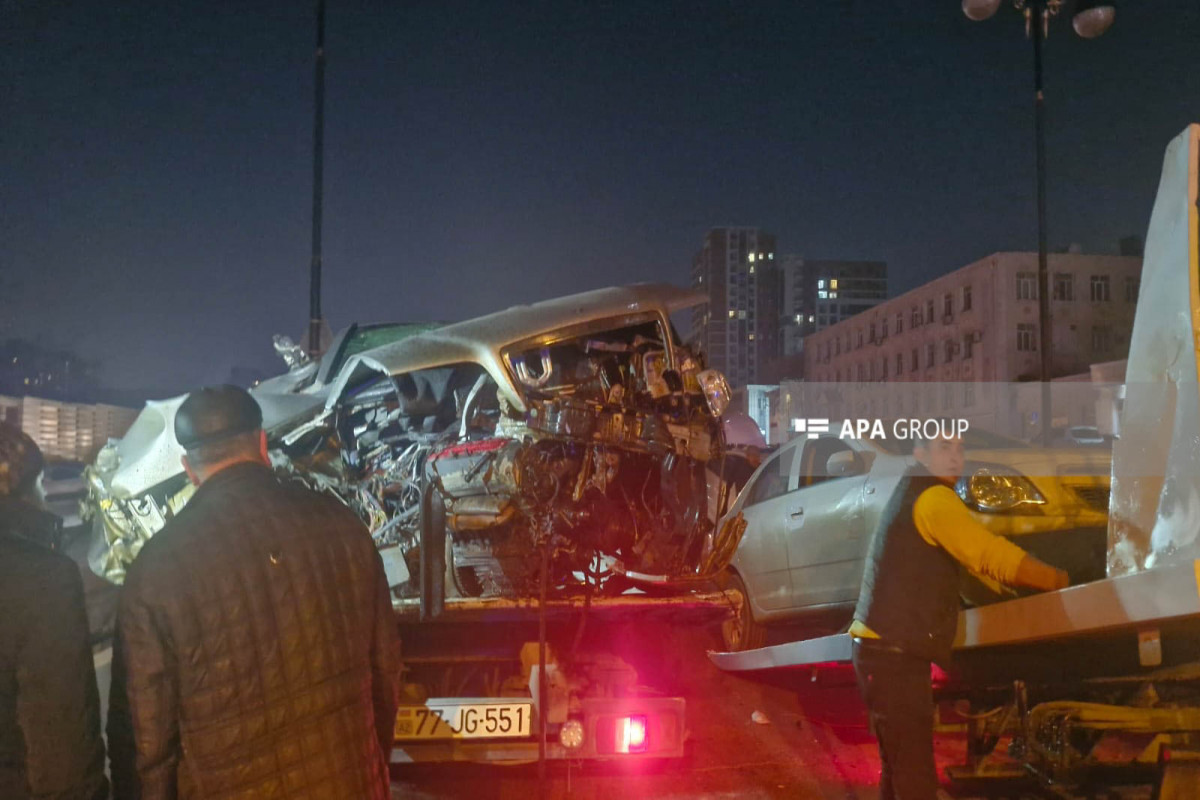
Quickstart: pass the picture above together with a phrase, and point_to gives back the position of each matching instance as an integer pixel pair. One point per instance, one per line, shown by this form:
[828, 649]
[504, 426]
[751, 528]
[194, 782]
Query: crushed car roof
[481, 340]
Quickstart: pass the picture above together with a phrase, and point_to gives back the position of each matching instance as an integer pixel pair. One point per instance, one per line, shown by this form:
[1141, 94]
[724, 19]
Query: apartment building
[737, 329]
[818, 293]
[980, 323]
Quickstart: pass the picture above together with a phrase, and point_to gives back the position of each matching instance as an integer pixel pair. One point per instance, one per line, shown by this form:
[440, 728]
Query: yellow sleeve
[945, 522]
[860, 630]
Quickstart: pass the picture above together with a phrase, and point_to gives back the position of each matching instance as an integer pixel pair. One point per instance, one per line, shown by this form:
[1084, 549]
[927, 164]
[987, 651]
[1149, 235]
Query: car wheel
[740, 631]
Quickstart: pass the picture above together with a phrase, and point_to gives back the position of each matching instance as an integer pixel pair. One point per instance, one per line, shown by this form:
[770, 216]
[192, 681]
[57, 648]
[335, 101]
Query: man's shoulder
[328, 506]
[23, 556]
[936, 489]
[34, 578]
[935, 492]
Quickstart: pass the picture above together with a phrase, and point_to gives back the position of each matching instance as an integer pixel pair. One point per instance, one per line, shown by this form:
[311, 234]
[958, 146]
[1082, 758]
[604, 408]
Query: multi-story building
[74, 431]
[818, 293]
[737, 329]
[980, 323]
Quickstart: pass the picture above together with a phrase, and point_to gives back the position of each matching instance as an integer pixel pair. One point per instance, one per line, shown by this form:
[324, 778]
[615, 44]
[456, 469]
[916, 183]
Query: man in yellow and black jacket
[907, 611]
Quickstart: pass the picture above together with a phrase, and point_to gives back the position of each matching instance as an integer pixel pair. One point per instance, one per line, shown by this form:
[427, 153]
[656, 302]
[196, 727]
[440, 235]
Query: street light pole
[1091, 19]
[1037, 21]
[314, 289]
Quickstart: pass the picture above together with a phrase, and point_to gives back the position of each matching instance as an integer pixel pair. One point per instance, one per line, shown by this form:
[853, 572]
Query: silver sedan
[811, 508]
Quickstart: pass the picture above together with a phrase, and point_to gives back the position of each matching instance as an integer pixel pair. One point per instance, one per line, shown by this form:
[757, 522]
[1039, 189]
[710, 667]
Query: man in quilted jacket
[256, 651]
[50, 745]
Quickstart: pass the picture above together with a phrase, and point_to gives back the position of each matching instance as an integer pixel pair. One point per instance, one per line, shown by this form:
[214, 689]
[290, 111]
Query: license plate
[439, 719]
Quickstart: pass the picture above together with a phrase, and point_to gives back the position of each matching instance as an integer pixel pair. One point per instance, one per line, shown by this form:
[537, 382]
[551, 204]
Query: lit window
[752, 270]
[732, 313]
[810, 317]
[823, 295]
[751, 337]
[821, 284]
[770, 256]
[833, 284]
[797, 318]
[752, 258]
[833, 295]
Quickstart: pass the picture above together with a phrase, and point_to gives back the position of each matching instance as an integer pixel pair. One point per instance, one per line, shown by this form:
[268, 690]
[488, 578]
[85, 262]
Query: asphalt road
[812, 742]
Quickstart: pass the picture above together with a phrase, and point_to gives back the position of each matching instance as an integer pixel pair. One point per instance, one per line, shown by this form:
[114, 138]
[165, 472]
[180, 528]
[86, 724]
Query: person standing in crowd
[257, 654]
[50, 744]
[907, 613]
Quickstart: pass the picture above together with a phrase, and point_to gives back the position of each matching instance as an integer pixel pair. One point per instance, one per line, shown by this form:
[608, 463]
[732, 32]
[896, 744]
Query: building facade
[818, 293]
[71, 431]
[980, 323]
[737, 329]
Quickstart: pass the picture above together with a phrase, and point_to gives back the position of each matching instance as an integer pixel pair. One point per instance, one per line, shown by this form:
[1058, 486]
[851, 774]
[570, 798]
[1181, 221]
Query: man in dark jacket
[50, 745]
[256, 655]
[907, 612]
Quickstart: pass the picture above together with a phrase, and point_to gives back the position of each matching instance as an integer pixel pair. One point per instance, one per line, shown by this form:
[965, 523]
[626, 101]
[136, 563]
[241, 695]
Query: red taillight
[631, 734]
[938, 676]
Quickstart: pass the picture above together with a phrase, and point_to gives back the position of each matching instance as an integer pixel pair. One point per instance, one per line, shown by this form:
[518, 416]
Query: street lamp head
[979, 10]
[1092, 19]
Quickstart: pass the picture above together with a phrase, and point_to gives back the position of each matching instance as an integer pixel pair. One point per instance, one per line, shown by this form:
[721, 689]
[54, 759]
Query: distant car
[811, 508]
[1087, 435]
[65, 487]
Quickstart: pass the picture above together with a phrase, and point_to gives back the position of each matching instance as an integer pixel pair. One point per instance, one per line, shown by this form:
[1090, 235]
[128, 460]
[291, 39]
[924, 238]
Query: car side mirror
[844, 464]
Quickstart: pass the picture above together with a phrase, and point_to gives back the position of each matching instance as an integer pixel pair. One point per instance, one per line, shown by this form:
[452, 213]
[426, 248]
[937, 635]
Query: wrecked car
[578, 433]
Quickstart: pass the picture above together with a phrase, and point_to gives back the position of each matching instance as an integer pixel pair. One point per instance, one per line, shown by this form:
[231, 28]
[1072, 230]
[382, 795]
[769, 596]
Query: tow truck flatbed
[697, 608]
[492, 643]
[1138, 602]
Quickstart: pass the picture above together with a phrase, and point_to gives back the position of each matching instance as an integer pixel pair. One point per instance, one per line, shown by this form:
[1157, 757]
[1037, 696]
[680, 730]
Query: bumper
[663, 737]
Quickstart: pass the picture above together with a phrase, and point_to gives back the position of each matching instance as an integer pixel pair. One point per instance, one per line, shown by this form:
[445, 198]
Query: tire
[741, 631]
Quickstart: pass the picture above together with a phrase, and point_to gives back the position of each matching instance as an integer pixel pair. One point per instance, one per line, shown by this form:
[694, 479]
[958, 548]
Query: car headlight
[987, 490]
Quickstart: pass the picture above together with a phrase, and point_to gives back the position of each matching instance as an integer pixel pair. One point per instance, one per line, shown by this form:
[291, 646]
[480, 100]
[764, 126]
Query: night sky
[155, 158]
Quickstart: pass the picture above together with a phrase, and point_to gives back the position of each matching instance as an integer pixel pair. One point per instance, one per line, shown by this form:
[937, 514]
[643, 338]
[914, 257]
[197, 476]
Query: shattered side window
[368, 337]
[772, 482]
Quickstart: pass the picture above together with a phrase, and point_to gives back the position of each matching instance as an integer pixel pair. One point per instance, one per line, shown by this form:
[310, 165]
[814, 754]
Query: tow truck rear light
[635, 728]
[631, 734]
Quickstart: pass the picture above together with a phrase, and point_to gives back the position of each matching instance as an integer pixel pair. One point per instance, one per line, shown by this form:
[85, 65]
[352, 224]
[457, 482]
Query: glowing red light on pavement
[631, 735]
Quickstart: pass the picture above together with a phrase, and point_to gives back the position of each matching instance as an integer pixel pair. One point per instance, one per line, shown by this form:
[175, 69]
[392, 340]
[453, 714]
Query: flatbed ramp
[1053, 675]
[695, 608]
[1141, 602]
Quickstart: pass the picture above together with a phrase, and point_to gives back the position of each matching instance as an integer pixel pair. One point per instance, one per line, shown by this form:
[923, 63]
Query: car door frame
[828, 536]
[761, 559]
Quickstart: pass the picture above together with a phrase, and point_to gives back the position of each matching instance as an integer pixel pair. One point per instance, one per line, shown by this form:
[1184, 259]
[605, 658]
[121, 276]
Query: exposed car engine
[607, 466]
